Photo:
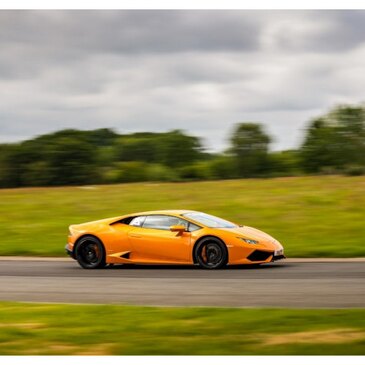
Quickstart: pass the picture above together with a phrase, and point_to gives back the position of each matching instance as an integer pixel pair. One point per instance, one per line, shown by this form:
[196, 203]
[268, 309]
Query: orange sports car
[170, 237]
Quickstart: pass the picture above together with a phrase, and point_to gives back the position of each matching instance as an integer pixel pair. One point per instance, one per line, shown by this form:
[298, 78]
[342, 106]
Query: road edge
[288, 260]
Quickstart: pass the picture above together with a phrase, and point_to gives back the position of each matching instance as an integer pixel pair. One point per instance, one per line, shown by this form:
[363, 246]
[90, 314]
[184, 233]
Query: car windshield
[209, 220]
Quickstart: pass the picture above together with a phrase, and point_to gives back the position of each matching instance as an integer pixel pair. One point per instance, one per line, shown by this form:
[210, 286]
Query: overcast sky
[200, 71]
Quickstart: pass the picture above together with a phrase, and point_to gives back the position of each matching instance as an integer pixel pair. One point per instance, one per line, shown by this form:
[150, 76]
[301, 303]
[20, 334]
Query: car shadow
[194, 267]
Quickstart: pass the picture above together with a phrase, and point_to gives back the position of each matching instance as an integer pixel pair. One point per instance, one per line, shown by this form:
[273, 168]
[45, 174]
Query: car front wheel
[211, 253]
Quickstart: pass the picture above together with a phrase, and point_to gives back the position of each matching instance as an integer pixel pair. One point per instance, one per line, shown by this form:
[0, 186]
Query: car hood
[263, 238]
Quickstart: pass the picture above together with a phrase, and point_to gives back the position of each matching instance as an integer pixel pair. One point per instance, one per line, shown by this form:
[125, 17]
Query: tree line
[334, 143]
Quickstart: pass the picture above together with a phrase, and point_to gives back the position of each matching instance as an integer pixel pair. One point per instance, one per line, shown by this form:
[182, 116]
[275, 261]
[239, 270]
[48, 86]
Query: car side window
[166, 221]
[137, 221]
[190, 227]
[160, 222]
[193, 227]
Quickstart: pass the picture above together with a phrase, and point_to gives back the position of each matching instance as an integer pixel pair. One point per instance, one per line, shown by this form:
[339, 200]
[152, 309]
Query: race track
[282, 284]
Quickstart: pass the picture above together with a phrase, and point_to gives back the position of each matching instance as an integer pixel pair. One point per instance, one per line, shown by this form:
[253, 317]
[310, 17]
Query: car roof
[165, 211]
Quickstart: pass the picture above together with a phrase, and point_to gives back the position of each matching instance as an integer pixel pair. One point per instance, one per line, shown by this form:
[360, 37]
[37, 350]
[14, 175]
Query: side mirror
[178, 228]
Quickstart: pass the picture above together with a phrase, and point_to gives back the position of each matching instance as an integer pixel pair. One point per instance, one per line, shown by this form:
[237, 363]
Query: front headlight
[251, 242]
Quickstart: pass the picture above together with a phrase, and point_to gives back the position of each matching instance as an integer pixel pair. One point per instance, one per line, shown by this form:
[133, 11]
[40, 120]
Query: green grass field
[55, 329]
[312, 216]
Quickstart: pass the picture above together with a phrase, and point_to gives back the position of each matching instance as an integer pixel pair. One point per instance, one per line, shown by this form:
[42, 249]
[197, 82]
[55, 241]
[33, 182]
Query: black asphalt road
[281, 284]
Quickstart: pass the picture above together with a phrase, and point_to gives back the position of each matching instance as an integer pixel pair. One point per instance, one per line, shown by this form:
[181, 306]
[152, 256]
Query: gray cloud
[201, 71]
[130, 31]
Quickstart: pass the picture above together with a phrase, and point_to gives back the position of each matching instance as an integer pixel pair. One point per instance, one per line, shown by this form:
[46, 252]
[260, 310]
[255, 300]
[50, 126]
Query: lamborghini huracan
[170, 237]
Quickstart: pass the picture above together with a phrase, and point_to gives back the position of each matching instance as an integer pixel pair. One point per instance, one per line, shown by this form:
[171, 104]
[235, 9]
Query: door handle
[135, 235]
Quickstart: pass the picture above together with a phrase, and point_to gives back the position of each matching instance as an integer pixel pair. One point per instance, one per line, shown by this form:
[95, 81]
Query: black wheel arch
[204, 237]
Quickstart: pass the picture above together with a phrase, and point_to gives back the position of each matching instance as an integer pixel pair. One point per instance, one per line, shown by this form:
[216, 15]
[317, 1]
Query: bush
[198, 171]
[159, 172]
[354, 170]
[284, 163]
[132, 171]
[329, 170]
[36, 174]
[223, 167]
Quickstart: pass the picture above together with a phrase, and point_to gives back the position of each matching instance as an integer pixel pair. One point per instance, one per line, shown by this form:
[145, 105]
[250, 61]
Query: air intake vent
[259, 255]
[126, 255]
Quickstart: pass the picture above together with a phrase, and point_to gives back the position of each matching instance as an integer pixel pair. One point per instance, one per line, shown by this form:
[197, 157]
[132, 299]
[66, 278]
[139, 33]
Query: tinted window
[137, 221]
[163, 222]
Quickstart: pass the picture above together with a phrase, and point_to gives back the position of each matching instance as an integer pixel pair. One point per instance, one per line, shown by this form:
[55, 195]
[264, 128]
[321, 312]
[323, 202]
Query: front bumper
[69, 251]
[278, 255]
[264, 256]
[277, 258]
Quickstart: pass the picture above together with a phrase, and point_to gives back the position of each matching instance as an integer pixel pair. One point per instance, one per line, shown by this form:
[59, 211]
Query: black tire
[211, 253]
[90, 253]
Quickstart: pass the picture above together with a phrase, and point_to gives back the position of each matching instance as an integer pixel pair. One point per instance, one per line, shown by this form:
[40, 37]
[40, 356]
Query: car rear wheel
[90, 253]
[211, 253]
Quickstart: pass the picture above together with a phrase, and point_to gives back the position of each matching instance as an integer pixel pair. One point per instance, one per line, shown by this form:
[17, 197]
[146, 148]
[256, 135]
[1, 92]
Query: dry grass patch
[329, 336]
[25, 325]
[100, 349]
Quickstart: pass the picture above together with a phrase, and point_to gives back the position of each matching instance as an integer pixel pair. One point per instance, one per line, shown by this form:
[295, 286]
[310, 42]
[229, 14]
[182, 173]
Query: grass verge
[319, 216]
[62, 329]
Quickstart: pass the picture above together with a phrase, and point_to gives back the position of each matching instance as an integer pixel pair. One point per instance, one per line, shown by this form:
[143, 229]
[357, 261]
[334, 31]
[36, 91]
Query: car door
[154, 242]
